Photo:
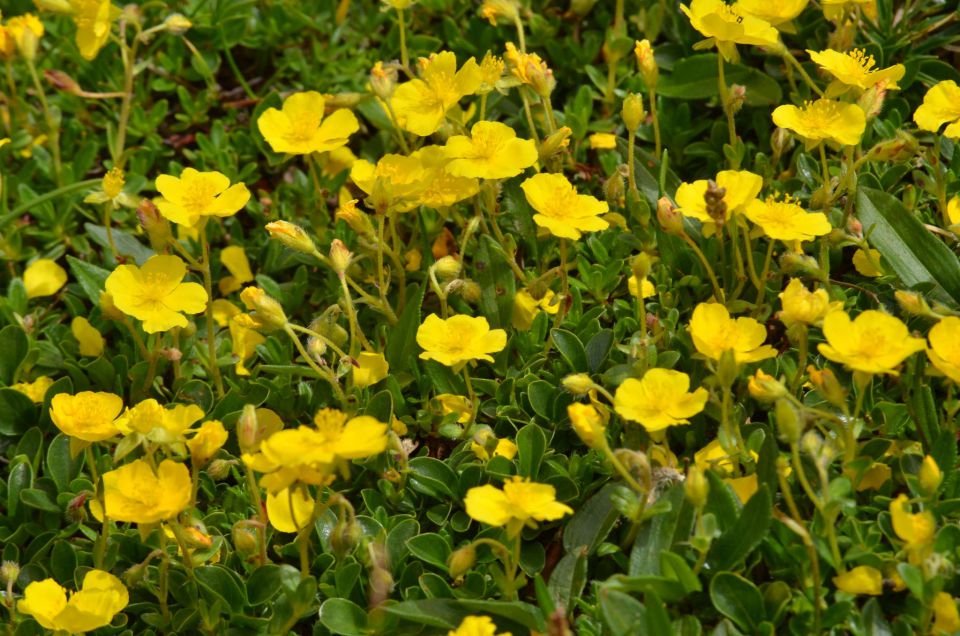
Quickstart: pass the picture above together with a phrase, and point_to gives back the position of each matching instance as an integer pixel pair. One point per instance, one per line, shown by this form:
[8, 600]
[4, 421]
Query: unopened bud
[340, 256]
[62, 82]
[172, 354]
[460, 561]
[615, 190]
[902, 147]
[291, 235]
[871, 102]
[218, 469]
[56, 6]
[383, 81]
[471, 291]
[727, 368]
[738, 95]
[578, 383]
[344, 538]
[155, 224]
[177, 24]
[781, 141]
[828, 386]
[913, 303]
[244, 537]
[358, 221]
[696, 488]
[930, 476]
[670, 219]
[447, 268]
[248, 430]
[788, 421]
[647, 63]
[641, 264]
[555, 143]
[796, 264]
[268, 314]
[633, 113]
[9, 572]
[766, 388]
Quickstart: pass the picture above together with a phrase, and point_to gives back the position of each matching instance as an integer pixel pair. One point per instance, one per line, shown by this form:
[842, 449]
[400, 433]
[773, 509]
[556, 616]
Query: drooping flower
[660, 399]
[243, 343]
[944, 349]
[25, 31]
[530, 69]
[300, 128]
[88, 416]
[43, 277]
[36, 390]
[642, 288]
[526, 308]
[89, 339]
[477, 626]
[94, 20]
[234, 258]
[775, 13]
[290, 510]
[862, 579]
[151, 421]
[486, 445]
[802, 306]
[99, 599]
[785, 220]
[823, 120]
[588, 423]
[915, 529]
[740, 187]
[458, 404]
[836, 10]
[137, 494]
[156, 293]
[561, 209]
[521, 503]
[714, 331]
[867, 262]
[874, 342]
[195, 195]
[422, 104]
[492, 151]
[603, 141]
[371, 368]
[941, 105]
[946, 618]
[726, 26]
[856, 68]
[459, 339]
[209, 438]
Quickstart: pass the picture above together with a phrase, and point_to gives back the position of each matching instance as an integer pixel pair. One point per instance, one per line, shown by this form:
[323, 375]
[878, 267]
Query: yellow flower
[459, 339]
[946, 618]
[930, 475]
[266, 313]
[491, 70]
[371, 368]
[740, 187]
[560, 209]
[658, 400]
[837, 9]
[914, 529]
[36, 390]
[786, 220]
[156, 293]
[440, 188]
[500, 447]
[244, 343]
[520, 503]
[941, 105]
[876, 475]
[492, 151]
[422, 104]
[530, 69]
[90, 340]
[526, 308]
[953, 211]
[209, 438]
[94, 20]
[589, 424]
[135, 493]
[874, 342]
[43, 277]
[197, 195]
[823, 120]
[801, 306]
[477, 626]
[714, 331]
[766, 388]
[944, 349]
[290, 510]
[300, 128]
[856, 68]
[3, 140]
[726, 26]
[644, 289]
[458, 404]
[647, 63]
[99, 599]
[26, 31]
[86, 416]
[776, 13]
[397, 179]
[236, 262]
[867, 265]
[603, 141]
[157, 424]
[223, 311]
[862, 579]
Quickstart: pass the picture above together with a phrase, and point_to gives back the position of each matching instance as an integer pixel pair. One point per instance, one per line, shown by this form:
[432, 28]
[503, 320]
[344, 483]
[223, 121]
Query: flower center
[303, 128]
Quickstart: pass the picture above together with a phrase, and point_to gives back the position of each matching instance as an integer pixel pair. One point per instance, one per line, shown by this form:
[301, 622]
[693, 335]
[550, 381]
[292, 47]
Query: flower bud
[913, 304]
[135, 573]
[383, 81]
[268, 314]
[671, 221]
[796, 264]
[290, 235]
[788, 421]
[578, 383]
[615, 190]
[727, 369]
[507, 11]
[766, 388]
[781, 141]
[738, 95]
[554, 143]
[155, 224]
[641, 264]
[9, 572]
[344, 538]
[62, 82]
[108, 309]
[902, 147]
[218, 469]
[56, 6]
[447, 268]
[244, 537]
[930, 476]
[828, 386]
[248, 429]
[589, 424]
[471, 291]
[340, 256]
[460, 561]
[696, 488]
[633, 113]
[872, 100]
[358, 221]
[647, 63]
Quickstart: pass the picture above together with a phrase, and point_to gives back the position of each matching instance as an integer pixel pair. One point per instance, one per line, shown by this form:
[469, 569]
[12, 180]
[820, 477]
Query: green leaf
[223, 583]
[267, 580]
[91, 277]
[598, 348]
[17, 412]
[622, 613]
[531, 445]
[430, 547]
[661, 532]
[344, 617]
[447, 614]
[570, 348]
[497, 283]
[592, 521]
[740, 539]
[14, 346]
[738, 599]
[696, 77]
[39, 499]
[432, 477]
[401, 349]
[568, 578]
[60, 466]
[658, 619]
[912, 252]
[126, 244]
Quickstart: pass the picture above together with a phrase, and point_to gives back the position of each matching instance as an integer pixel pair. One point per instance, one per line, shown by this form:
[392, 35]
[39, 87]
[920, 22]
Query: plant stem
[631, 173]
[254, 490]
[53, 128]
[529, 114]
[787, 55]
[471, 394]
[404, 55]
[826, 177]
[717, 290]
[725, 103]
[656, 124]
[327, 374]
[23, 207]
[941, 186]
[520, 38]
[211, 325]
[129, 57]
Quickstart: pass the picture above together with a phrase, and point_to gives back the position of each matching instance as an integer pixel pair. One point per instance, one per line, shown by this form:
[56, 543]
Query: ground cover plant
[513, 317]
